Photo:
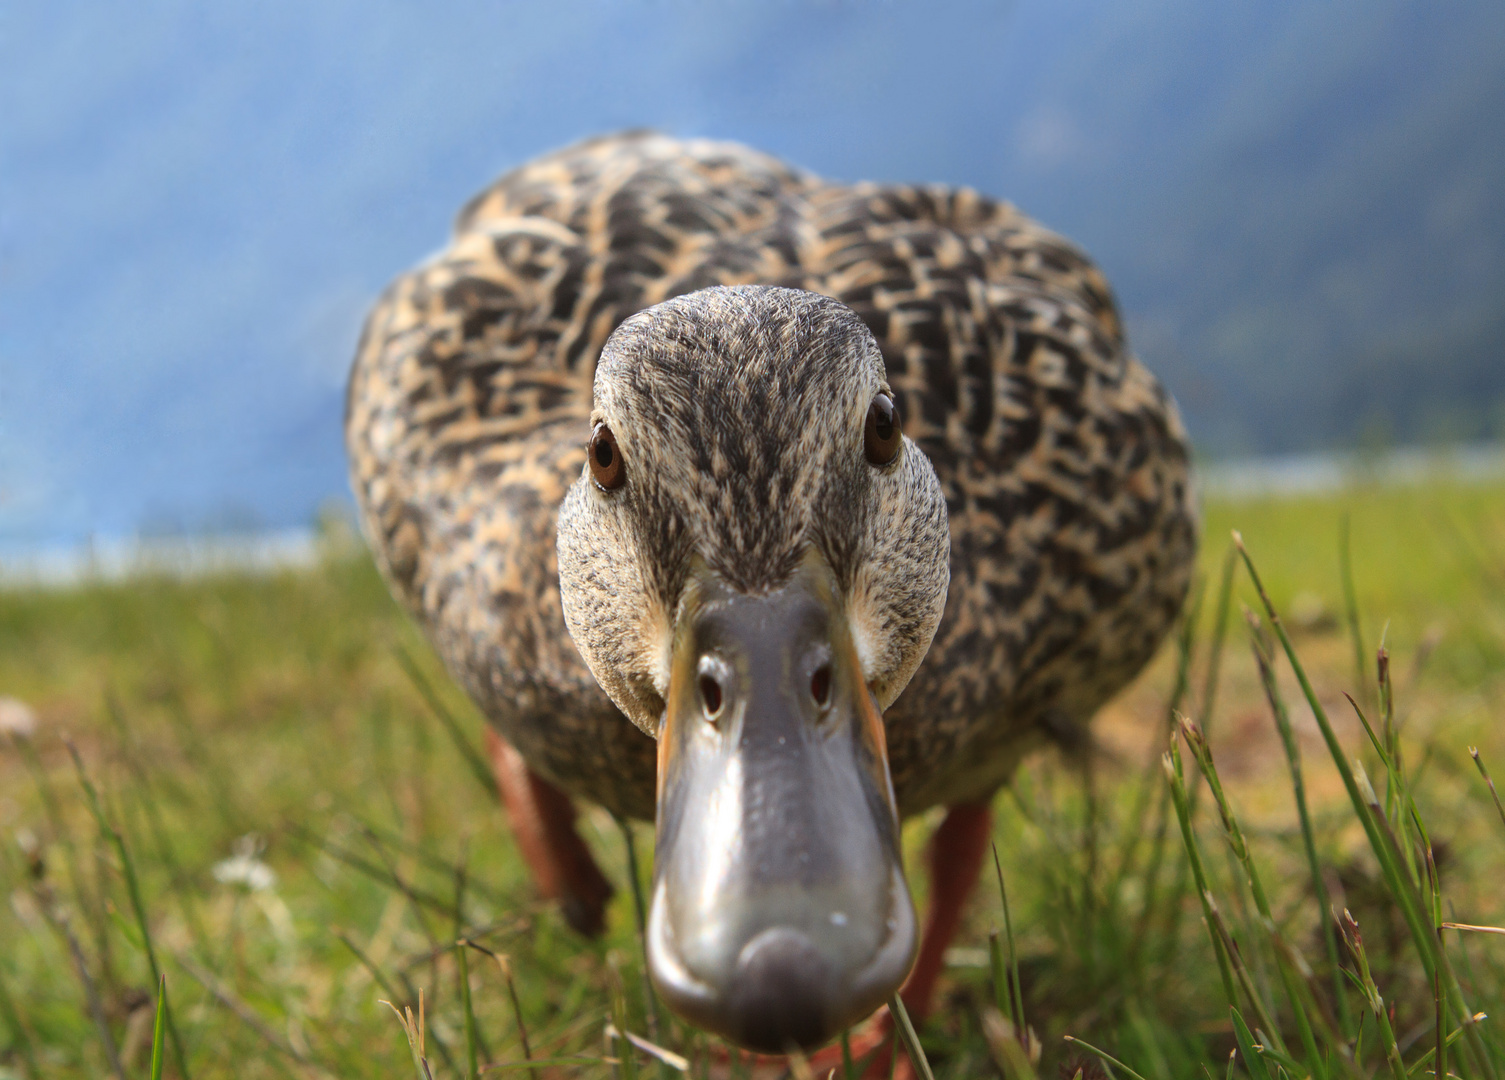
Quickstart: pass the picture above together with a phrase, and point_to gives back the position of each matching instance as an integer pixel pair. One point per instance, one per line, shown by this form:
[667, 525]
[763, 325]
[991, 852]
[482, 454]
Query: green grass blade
[1264, 660]
[517, 1008]
[376, 973]
[640, 912]
[133, 888]
[468, 753]
[1495, 795]
[911, 1040]
[998, 968]
[1172, 764]
[1254, 1061]
[616, 1028]
[1219, 636]
[1108, 1058]
[1185, 641]
[1405, 895]
[1004, 1045]
[411, 1031]
[1016, 993]
[1426, 1058]
[159, 1029]
[1351, 607]
[1235, 836]
[472, 1060]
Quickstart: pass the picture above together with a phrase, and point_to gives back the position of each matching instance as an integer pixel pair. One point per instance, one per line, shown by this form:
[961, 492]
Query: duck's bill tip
[780, 913]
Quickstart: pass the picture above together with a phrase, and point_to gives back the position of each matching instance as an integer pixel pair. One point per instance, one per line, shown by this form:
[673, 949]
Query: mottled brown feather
[1063, 462]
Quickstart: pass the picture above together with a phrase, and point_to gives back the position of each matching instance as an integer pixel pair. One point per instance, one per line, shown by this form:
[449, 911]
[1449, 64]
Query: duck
[775, 511]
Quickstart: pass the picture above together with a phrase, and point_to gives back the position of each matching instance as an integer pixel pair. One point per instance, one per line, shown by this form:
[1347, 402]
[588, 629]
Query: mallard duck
[775, 510]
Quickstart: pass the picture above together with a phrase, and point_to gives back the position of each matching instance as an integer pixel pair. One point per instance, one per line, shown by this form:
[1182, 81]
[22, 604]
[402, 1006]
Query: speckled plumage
[1063, 463]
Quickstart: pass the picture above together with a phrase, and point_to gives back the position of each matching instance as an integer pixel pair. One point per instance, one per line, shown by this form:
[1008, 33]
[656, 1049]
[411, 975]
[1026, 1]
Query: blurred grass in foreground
[299, 838]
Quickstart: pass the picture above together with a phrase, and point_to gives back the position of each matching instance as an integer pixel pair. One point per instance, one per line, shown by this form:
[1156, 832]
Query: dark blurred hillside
[1302, 207]
[1299, 203]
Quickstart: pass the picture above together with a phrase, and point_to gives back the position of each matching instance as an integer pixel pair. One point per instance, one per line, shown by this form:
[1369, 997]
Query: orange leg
[956, 854]
[543, 820]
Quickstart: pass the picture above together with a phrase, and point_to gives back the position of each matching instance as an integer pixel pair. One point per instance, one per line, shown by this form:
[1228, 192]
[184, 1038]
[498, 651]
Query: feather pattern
[1063, 461]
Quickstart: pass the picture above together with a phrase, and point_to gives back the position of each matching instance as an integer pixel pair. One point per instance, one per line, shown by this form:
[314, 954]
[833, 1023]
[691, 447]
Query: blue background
[1299, 203]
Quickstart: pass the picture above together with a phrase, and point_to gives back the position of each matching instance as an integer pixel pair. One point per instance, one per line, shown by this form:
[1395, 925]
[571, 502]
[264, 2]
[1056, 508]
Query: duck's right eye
[882, 435]
[605, 457]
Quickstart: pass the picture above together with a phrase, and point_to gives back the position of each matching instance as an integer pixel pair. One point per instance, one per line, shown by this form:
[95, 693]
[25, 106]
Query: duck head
[753, 564]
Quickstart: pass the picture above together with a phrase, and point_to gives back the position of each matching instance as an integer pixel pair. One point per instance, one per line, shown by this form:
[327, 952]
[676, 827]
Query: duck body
[1057, 496]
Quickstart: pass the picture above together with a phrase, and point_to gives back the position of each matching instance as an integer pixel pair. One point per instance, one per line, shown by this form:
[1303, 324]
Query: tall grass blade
[1401, 888]
[1493, 794]
[1235, 837]
[1265, 661]
[910, 1039]
[517, 1008]
[1421, 1063]
[415, 1040]
[472, 1058]
[616, 1027]
[1003, 1043]
[384, 875]
[1173, 773]
[640, 911]
[370, 965]
[1254, 1061]
[133, 889]
[147, 801]
[1015, 992]
[1351, 607]
[159, 1029]
[472, 757]
[1437, 1002]
[247, 1015]
[1108, 1059]
[57, 918]
[1219, 636]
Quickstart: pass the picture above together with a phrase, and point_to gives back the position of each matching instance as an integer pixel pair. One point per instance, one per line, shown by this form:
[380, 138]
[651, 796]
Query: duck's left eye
[883, 434]
[606, 463]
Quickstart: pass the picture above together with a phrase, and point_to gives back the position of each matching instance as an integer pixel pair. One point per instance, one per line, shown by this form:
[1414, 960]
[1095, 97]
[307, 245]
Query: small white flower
[245, 866]
[17, 718]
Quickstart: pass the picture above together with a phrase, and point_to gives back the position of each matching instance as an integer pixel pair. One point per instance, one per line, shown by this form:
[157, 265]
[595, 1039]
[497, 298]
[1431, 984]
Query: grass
[274, 825]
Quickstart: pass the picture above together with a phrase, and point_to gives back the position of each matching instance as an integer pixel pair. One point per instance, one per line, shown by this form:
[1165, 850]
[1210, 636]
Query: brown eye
[883, 434]
[606, 459]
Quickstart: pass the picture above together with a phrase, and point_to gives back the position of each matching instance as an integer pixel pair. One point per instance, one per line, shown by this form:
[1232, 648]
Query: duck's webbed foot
[543, 821]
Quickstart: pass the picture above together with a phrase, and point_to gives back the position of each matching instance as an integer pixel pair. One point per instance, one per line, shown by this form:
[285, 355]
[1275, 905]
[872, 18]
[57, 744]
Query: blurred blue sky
[1298, 202]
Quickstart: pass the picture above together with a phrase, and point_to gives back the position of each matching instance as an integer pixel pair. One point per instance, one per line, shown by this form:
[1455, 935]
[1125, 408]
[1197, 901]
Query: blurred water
[1313, 474]
[121, 558]
[187, 556]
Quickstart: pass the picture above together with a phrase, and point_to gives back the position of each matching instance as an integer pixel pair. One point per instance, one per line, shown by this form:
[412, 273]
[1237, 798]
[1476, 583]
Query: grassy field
[300, 836]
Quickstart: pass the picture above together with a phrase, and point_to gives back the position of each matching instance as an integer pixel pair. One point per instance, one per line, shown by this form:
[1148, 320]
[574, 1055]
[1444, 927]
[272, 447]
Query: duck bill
[780, 913]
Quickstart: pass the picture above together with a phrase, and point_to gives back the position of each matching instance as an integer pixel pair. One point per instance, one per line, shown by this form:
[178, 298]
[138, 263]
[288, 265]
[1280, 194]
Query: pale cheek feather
[657, 634]
[867, 629]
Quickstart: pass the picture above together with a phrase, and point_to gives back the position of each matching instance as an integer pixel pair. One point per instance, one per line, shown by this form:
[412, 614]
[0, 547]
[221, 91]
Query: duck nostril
[710, 694]
[820, 685]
